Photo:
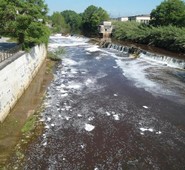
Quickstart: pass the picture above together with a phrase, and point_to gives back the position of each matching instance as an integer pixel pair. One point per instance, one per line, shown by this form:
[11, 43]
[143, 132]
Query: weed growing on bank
[56, 55]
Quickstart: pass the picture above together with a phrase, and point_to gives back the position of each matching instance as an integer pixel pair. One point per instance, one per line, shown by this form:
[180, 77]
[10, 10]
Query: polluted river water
[105, 110]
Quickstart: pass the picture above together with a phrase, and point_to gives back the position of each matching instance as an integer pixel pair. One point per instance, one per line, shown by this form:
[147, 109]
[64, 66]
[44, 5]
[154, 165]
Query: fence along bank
[16, 73]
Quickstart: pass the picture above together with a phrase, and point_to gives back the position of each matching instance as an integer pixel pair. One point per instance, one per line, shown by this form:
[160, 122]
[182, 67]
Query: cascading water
[165, 60]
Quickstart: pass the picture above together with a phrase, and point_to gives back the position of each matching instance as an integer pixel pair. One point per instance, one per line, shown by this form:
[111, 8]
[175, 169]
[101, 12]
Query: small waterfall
[166, 60]
[120, 48]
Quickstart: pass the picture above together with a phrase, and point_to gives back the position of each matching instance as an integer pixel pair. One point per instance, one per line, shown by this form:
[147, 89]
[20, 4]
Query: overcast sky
[116, 8]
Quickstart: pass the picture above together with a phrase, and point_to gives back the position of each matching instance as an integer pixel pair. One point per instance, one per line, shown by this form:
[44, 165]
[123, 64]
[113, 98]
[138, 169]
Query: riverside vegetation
[166, 29]
[168, 37]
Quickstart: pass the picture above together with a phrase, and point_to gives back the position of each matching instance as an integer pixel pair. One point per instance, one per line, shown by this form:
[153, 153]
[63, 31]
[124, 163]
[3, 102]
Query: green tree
[73, 19]
[92, 17]
[24, 20]
[169, 12]
[59, 24]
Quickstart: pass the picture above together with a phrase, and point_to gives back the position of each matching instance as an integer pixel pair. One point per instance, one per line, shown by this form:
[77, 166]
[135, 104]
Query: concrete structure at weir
[15, 76]
[105, 29]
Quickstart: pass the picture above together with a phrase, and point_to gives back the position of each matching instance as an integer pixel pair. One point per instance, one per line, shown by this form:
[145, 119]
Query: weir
[166, 60]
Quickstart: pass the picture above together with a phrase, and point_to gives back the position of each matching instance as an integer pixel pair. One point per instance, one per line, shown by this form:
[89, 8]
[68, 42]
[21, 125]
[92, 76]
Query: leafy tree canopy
[24, 20]
[169, 12]
[92, 17]
[59, 23]
[73, 19]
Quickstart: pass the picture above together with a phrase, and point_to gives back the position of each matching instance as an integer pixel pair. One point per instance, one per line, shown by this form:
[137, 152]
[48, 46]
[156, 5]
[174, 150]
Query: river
[107, 111]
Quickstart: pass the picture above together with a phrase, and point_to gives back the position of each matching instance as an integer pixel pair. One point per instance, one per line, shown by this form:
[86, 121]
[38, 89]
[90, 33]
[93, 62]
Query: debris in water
[158, 133]
[91, 118]
[48, 119]
[47, 127]
[89, 127]
[67, 117]
[108, 114]
[116, 117]
[64, 95]
[82, 146]
[45, 143]
[146, 107]
[146, 129]
[79, 115]
[115, 95]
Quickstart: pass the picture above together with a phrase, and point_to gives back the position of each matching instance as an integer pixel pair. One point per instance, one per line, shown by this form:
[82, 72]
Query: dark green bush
[168, 37]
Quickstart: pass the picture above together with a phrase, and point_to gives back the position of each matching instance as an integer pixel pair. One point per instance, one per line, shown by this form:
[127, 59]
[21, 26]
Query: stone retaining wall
[16, 76]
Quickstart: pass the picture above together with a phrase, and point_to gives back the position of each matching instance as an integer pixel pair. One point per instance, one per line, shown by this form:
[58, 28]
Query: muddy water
[105, 112]
[10, 129]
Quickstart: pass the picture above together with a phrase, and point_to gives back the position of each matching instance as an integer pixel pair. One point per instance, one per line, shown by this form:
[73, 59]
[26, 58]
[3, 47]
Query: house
[123, 19]
[140, 18]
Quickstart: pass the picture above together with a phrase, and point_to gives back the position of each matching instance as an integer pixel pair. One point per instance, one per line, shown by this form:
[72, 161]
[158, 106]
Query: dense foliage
[25, 21]
[168, 37]
[91, 18]
[169, 12]
[165, 30]
[73, 19]
[59, 24]
[86, 22]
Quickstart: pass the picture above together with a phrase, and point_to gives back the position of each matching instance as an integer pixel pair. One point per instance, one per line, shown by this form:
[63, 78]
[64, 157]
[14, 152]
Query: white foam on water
[69, 62]
[88, 81]
[47, 127]
[48, 119]
[79, 115]
[74, 86]
[89, 127]
[91, 118]
[64, 95]
[82, 146]
[146, 107]
[44, 144]
[98, 58]
[87, 53]
[94, 48]
[116, 117]
[107, 113]
[135, 71]
[63, 41]
[67, 108]
[62, 91]
[67, 117]
[146, 129]
[159, 132]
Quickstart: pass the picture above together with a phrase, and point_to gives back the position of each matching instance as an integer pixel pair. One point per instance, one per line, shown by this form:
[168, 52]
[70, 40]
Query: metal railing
[5, 54]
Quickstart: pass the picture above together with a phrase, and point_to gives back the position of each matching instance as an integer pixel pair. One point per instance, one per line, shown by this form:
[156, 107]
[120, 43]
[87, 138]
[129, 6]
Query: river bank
[11, 130]
[106, 111]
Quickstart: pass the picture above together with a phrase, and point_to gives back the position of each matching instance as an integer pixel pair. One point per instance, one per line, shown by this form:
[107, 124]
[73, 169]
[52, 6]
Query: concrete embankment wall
[16, 77]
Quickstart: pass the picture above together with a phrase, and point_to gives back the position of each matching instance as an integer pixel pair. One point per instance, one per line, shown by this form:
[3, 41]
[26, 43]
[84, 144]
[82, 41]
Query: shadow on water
[10, 129]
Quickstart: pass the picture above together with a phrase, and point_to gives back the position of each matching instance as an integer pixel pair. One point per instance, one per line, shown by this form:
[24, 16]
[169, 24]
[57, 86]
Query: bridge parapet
[5, 54]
